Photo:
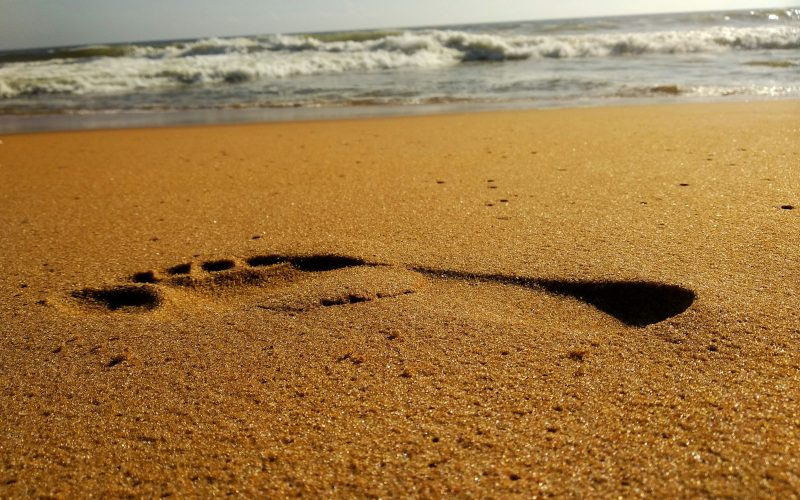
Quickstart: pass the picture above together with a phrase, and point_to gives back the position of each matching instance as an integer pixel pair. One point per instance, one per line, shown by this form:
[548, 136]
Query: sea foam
[236, 60]
[671, 56]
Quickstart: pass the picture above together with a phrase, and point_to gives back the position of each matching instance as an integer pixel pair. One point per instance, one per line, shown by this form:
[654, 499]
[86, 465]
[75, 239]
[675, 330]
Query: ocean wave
[705, 91]
[469, 46]
[667, 42]
[233, 61]
[353, 36]
[773, 64]
[67, 53]
[139, 74]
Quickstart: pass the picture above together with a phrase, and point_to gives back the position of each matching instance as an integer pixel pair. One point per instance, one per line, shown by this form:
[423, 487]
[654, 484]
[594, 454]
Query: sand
[557, 302]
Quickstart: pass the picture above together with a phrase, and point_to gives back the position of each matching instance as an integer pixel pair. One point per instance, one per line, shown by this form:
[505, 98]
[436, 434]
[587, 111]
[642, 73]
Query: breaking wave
[105, 69]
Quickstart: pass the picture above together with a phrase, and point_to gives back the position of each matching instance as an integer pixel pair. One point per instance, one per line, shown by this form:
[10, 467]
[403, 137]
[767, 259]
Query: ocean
[726, 55]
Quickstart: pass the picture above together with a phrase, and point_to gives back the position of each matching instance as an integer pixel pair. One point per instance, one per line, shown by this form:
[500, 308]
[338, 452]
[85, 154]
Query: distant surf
[537, 63]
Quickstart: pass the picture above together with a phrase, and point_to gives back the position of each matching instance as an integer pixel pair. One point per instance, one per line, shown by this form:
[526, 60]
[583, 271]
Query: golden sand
[583, 302]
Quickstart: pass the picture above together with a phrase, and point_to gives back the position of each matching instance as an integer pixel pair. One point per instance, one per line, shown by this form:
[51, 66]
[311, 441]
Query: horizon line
[382, 28]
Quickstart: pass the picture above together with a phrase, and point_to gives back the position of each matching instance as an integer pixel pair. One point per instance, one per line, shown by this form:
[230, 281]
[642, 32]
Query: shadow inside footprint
[180, 269]
[344, 300]
[634, 303]
[320, 263]
[214, 266]
[311, 263]
[145, 277]
[133, 297]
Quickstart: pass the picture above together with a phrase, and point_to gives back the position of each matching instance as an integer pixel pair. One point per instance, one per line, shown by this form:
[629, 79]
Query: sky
[49, 23]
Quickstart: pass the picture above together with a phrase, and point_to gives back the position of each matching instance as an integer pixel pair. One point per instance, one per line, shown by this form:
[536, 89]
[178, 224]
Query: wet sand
[581, 302]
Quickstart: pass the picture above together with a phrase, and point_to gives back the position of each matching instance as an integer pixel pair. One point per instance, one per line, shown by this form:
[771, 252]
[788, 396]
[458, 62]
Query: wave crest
[232, 61]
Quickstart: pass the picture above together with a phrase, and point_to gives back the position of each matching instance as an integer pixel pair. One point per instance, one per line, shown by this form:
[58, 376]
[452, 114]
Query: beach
[579, 302]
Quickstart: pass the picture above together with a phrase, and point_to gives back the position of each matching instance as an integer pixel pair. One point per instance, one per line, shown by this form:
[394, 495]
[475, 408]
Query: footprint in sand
[295, 284]
[272, 282]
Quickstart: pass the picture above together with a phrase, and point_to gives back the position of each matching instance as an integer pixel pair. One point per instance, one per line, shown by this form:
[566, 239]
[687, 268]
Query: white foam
[236, 60]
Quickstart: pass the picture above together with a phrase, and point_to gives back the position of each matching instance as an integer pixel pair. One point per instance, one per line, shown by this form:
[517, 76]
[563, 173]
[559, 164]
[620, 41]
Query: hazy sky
[40, 23]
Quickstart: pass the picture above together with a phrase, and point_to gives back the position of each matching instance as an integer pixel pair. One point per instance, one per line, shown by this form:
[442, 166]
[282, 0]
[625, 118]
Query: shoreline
[25, 124]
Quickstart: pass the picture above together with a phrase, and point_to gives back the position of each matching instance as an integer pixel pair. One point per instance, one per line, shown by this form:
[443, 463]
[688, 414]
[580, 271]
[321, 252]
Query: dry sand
[581, 302]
